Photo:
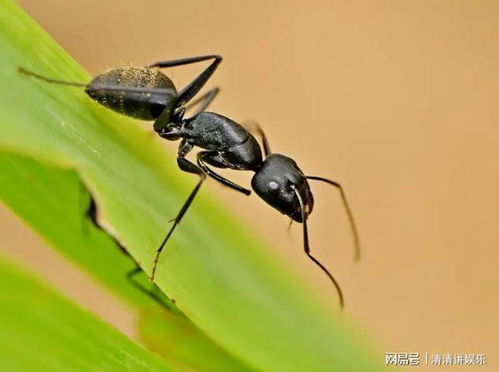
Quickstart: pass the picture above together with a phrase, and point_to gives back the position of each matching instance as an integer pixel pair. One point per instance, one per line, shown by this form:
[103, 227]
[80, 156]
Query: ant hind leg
[198, 83]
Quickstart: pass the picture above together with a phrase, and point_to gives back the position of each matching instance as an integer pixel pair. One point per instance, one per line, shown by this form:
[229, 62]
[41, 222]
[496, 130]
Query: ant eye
[273, 186]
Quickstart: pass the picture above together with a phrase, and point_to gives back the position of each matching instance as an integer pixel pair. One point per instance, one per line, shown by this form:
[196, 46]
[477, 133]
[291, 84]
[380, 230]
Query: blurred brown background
[395, 99]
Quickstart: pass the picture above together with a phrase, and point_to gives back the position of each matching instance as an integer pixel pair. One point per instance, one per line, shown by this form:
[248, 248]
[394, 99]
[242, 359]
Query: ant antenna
[355, 233]
[307, 247]
[49, 80]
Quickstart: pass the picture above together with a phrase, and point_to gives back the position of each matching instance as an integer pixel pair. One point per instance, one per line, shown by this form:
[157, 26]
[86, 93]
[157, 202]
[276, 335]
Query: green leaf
[233, 287]
[42, 331]
[54, 202]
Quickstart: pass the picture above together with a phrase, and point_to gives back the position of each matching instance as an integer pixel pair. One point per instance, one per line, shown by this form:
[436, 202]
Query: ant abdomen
[145, 105]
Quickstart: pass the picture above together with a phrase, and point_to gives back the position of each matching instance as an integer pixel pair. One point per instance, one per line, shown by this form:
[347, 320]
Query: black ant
[146, 93]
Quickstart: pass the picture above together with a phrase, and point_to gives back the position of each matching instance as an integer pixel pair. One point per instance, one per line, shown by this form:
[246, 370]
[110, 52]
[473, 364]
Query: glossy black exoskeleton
[148, 94]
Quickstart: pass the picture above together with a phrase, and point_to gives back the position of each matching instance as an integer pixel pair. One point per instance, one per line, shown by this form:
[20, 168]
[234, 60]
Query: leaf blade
[240, 292]
[55, 335]
[53, 201]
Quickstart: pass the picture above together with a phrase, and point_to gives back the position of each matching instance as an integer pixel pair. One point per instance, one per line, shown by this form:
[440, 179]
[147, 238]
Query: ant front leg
[188, 167]
[214, 158]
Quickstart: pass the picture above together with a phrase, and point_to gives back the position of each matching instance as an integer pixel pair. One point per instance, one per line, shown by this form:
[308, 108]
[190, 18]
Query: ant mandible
[148, 94]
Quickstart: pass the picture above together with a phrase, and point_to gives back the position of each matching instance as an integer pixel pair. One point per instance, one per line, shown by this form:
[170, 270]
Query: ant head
[139, 92]
[277, 182]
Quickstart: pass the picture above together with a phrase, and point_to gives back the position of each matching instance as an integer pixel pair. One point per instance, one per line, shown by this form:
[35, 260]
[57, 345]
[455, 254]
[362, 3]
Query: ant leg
[253, 126]
[194, 86]
[205, 100]
[184, 61]
[119, 88]
[213, 158]
[22, 70]
[159, 299]
[307, 247]
[355, 232]
[188, 167]
[184, 148]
